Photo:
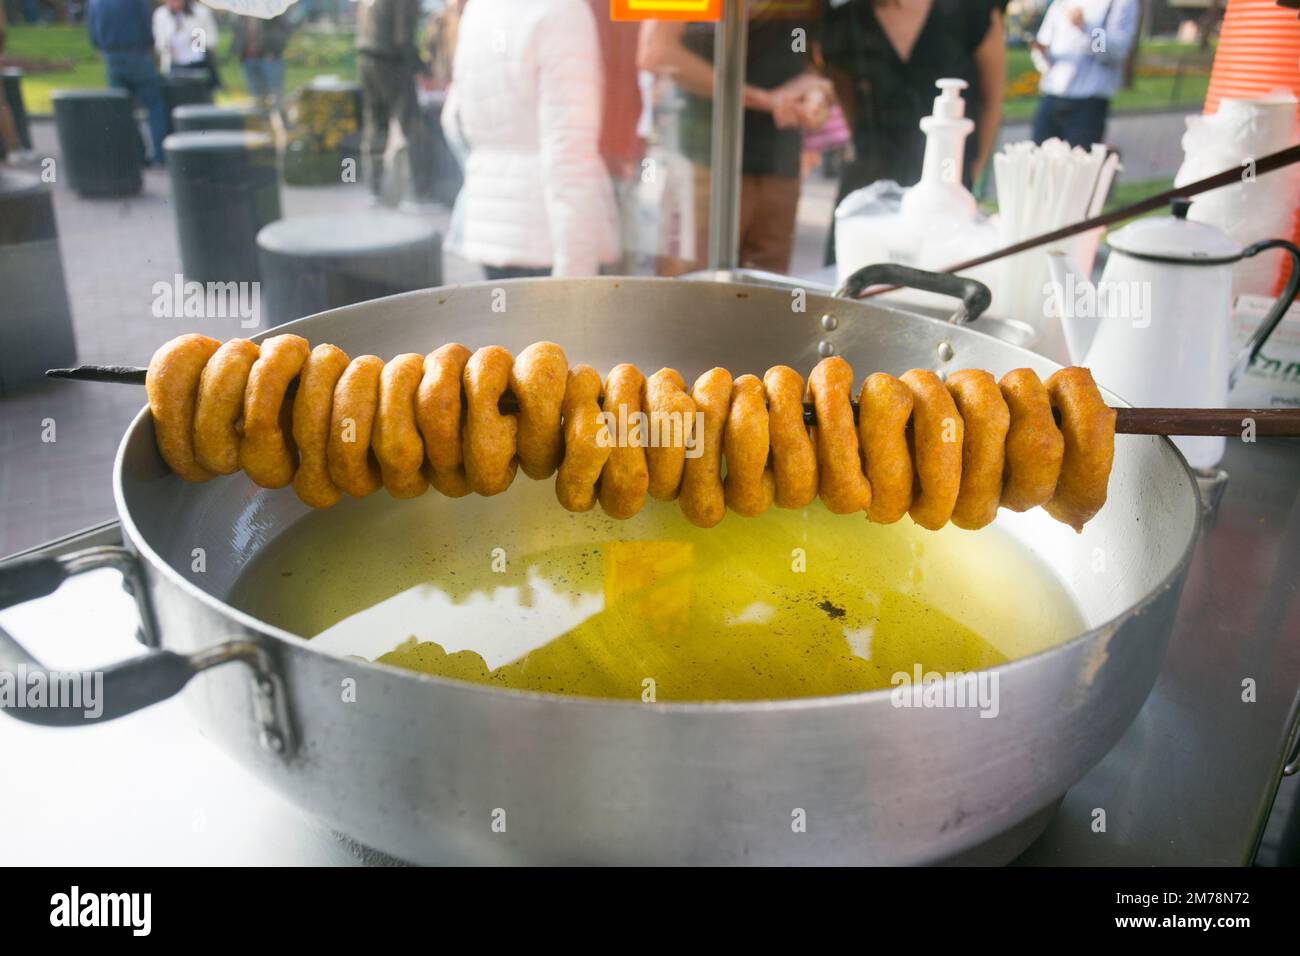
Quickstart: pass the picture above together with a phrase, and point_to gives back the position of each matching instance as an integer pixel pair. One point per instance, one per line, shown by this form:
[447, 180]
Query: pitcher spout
[1068, 287]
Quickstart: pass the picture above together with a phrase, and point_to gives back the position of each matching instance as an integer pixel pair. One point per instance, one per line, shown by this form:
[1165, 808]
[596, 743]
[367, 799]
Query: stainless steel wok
[421, 768]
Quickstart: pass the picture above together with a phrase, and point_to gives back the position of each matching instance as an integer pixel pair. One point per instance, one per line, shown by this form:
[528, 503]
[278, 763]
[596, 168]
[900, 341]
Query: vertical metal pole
[728, 135]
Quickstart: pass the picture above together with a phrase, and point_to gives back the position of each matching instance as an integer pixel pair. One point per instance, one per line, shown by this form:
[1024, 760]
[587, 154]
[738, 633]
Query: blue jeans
[134, 71]
[1080, 121]
[265, 81]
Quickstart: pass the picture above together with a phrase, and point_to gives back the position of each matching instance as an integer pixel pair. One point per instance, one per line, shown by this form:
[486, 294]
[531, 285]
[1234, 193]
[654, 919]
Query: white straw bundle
[1041, 188]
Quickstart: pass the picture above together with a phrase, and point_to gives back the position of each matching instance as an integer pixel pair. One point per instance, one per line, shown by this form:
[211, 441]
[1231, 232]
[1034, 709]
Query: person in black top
[783, 95]
[884, 57]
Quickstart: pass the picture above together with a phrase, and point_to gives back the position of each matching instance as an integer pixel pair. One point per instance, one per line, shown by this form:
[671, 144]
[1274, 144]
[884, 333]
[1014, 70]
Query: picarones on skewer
[939, 451]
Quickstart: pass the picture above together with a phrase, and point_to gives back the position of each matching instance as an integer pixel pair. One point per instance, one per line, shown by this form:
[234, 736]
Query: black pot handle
[1275, 314]
[975, 295]
[128, 686]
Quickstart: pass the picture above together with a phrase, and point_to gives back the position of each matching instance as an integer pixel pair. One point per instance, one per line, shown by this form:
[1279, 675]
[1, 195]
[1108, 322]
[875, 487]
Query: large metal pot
[422, 768]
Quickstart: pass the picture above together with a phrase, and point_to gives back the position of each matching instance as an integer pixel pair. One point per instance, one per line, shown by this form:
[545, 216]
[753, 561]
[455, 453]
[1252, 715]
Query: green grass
[308, 55]
[1149, 91]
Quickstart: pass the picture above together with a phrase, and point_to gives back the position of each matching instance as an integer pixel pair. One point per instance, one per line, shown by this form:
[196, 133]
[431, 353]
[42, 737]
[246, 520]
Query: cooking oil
[513, 591]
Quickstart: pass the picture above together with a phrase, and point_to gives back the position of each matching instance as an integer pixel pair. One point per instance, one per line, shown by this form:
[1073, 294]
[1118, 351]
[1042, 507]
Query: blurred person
[13, 151]
[783, 96]
[884, 57]
[185, 35]
[1080, 51]
[441, 43]
[525, 101]
[388, 63]
[122, 31]
[258, 45]
[621, 145]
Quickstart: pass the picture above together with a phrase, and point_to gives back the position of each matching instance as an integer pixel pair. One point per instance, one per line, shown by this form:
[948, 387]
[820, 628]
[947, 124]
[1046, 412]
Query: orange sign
[698, 10]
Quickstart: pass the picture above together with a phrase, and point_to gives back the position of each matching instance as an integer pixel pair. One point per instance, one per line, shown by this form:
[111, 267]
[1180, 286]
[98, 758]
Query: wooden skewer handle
[1230, 422]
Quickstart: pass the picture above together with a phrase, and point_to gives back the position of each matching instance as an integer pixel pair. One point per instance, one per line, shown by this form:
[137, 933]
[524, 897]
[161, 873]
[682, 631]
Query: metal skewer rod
[1229, 422]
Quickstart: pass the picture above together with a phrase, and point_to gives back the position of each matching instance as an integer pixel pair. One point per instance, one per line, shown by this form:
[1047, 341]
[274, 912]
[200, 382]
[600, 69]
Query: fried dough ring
[587, 443]
[884, 407]
[667, 404]
[438, 414]
[626, 478]
[1034, 445]
[538, 379]
[703, 499]
[1088, 426]
[749, 486]
[844, 488]
[348, 455]
[794, 455]
[266, 451]
[490, 460]
[394, 438]
[937, 438]
[172, 387]
[220, 406]
[311, 424]
[983, 453]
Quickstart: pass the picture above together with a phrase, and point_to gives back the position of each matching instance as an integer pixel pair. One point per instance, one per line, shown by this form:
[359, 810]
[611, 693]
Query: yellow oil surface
[513, 591]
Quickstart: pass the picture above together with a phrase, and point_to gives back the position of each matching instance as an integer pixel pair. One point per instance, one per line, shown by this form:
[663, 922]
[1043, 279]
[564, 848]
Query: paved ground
[115, 250]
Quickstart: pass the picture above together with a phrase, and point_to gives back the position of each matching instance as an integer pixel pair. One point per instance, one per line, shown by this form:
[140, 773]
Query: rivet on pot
[945, 352]
[825, 349]
[830, 323]
[272, 740]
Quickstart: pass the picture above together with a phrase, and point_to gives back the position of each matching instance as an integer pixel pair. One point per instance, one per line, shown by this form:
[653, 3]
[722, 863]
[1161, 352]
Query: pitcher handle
[1275, 314]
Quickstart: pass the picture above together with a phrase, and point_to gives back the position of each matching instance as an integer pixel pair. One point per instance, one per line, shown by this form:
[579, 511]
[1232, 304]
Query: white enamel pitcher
[1155, 328]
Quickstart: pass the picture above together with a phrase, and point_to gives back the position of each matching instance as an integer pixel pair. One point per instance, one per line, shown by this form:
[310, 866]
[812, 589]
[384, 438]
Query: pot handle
[1275, 314]
[132, 684]
[975, 295]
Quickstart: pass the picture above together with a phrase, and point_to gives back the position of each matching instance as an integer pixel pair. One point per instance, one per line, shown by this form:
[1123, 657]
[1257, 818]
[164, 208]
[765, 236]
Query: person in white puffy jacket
[525, 101]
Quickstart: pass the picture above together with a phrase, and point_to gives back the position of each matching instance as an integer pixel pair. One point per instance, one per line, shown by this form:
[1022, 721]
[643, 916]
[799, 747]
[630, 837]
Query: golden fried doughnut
[626, 478]
[749, 487]
[702, 499]
[490, 462]
[266, 452]
[394, 438]
[1034, 446]
[538, 379]
[1088, 426]
[672, 420]
[983, 453]
[220, 406]
[172, 387]
[587, 442]
[884, 407]
[843, 487]
[937, 437]
[794, 456]
[438, 415]
[311, 424]
[348, 455]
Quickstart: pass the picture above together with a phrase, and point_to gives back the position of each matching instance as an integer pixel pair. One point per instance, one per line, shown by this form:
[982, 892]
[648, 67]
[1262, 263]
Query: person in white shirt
[525, 100]
[1080, 50]
[185, 35]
